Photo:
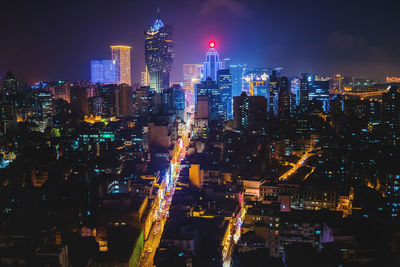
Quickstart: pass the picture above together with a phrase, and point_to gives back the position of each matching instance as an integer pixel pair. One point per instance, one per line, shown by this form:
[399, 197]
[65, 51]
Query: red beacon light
[212, 44]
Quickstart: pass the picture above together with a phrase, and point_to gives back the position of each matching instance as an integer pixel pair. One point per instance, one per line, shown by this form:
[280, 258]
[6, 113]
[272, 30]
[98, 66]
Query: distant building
[121, 57]
[144, 78]
[174, 100]
[10, 84]
[249, 111]
[142, 101]
[210, 89]
[337, 83]
[192, 74]
[286, 100]
[212, 64]
[79, 102]
[318, 89]
[225, 88]
[302, 93]
[256, 82]
[159, 54]
[392, 79]
[103, 71]
[237, 72]
[391, 106]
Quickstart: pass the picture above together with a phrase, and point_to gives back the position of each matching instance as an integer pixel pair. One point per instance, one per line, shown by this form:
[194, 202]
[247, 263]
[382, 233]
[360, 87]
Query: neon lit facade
[158, 55]
[121, 57]
[212, 64]
[103, 71]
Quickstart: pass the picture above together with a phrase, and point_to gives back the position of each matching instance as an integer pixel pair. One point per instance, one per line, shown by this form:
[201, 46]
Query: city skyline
[299, 44]
[262, 133]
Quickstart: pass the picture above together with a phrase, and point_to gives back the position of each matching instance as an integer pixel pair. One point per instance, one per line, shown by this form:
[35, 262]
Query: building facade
[158, 55]
[212, 64]
[121, 58]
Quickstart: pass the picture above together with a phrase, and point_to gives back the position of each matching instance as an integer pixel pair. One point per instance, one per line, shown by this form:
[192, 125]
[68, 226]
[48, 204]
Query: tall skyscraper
[121, 57]
[302, 94]
[225, 88]
[286, 100]
[158, 54]
[209, 88]
[103, 71]
[237, 72]
[249, 111]
[212, 64]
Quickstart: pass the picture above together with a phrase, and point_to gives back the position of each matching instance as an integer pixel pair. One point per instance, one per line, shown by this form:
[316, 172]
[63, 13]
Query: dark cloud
[212, 7]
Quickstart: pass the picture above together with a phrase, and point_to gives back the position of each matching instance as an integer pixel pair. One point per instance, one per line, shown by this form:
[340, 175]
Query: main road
[168, 188]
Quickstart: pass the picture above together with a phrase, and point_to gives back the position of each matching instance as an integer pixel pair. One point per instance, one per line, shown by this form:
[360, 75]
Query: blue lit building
[212, 64]
[225, 88]
[318, 89]
[209, 88]
[103, 71]
[174, 99]
[237, 72]
[393, 194]
[295, 89]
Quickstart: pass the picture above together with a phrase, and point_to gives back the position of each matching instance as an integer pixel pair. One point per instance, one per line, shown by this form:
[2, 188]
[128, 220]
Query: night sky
[56, 39]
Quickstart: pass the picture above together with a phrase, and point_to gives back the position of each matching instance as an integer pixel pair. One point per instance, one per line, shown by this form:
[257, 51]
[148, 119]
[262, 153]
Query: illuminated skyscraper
[225, 88]
[144, 78]
[212, 64]
[121, 57]
[237, 72]
[103, 71]
[158, 54]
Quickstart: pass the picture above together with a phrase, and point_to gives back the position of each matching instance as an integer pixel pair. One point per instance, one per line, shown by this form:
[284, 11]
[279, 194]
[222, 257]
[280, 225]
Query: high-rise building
[302, 93]
[158, 54]
[10, 83]
[286, 100]
[249, 111]
[225, 88]
[192, 74]
[318, 89]
[210, 89]
[144, 78]
[126, 101]
[256, 81]
[212, 64]
[103, 71]
[337, 83]
[121, 57]
[237, 72]
[295, 88]
[79, 102]
[241, 110]
[173, 100]
[391, 106]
